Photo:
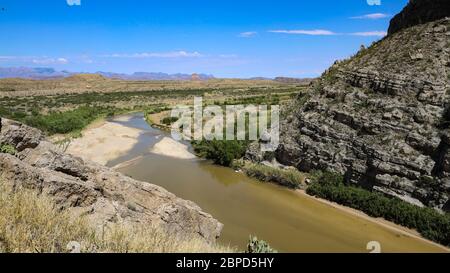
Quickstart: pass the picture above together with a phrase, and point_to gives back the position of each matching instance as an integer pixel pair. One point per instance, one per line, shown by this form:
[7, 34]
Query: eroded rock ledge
[86, 188]
[419, 12]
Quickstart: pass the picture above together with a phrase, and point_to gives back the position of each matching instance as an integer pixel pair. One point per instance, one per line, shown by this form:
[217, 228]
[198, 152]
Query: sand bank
[104, 142]
[169, 147]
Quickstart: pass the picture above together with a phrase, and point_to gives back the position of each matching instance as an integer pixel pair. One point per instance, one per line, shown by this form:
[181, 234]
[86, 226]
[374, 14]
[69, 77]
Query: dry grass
[31, 223]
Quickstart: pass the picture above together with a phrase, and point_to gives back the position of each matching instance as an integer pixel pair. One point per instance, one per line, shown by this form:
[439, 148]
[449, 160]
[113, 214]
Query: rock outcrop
[382, 117]
[419, 12]
[102, 195]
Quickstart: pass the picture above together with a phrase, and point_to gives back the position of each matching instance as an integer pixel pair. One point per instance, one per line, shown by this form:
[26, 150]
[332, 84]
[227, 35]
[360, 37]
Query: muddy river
[288, 220]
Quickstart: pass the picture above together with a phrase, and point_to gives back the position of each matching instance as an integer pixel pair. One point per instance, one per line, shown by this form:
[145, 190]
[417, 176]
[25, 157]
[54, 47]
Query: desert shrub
[258, 246]
[428, 222]
[222, 152]
[169, 120]
[7, 149]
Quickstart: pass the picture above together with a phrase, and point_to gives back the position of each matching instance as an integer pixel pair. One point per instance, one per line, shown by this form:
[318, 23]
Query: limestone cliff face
[381, 118]
[420, 12]
[101, 194]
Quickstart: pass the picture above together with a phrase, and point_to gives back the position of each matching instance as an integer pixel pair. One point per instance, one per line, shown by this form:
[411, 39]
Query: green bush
[430, 223]
[69, 121]
[327, 178]
[286, 177]
[258, 246]
[222, 152]
[7, 149]
[169, 120]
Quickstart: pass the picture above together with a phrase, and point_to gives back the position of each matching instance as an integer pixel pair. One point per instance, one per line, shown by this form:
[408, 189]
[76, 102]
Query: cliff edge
[419, 12]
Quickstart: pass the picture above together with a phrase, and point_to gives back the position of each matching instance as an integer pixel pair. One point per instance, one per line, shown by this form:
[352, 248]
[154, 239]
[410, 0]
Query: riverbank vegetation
[428, 222]
[289, 177]
[69, 121]
[221, 152]
[31, 223]
[63, 122]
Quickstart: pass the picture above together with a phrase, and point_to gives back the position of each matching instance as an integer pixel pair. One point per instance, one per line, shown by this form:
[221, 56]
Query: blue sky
[225, 38]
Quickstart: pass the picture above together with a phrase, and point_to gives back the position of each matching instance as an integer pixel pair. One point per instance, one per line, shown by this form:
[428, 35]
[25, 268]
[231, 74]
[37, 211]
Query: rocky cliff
[89, 189]
[419, 12]
[382, 117]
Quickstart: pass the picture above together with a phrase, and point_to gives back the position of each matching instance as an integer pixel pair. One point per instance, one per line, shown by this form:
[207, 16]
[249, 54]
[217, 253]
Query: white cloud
[319, 32]
[50, 61]
[315, 32]
[248, 34]
[370, 33]
[372, 16]
[173, 54]
[62, 60]
[73, 2]
[7, 57]
[35, 59]
[228, 56]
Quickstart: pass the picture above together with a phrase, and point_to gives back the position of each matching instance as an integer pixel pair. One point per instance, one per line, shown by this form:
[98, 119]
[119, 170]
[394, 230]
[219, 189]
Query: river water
[288, 220]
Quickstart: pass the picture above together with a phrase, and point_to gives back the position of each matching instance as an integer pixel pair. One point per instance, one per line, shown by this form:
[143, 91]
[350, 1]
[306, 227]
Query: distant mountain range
[155, 76]
[32, 73]
[40, 73]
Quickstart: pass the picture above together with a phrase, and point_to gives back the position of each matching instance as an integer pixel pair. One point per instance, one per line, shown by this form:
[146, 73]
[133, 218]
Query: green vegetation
[68, 113]
[72, 121]
[69, 121]
[141, 99]
[156, 109]
[7, 149]
[222, 152]
[31, 223]
[290, 177]
[169, 120]
[430, 223]
[56, 122]
[258, 246]
[269, 99]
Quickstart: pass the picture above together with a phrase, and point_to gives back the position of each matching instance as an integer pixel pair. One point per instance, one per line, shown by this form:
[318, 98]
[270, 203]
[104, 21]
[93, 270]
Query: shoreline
[379, 221]
[103, 141]
[123, 138]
